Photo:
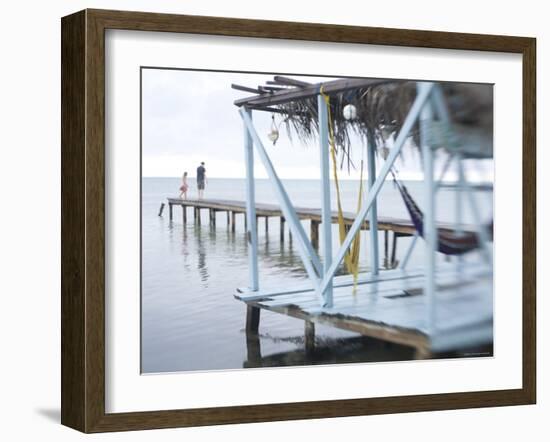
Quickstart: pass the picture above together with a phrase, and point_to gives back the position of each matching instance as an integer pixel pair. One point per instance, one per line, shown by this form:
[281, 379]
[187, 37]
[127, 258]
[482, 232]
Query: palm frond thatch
[382, 109]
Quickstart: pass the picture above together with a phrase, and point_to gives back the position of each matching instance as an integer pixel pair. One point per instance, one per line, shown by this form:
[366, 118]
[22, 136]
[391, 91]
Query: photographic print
[294, 220]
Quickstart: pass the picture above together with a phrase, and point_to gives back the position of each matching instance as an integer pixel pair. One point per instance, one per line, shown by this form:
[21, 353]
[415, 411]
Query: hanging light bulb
[273, 134]
[350, 112]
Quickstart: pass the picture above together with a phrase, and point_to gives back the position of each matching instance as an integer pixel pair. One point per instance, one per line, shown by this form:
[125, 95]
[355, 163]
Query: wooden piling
[184, 209]
[386, 263]
[266, 225]
[170, 207]
[422, 353]
[394, 248]
[252, 319]
[212, 217]
[197, 215]
[233, 221]
[161, 209]
[282, 229]
[309, 330]
[253, 349]
[228, 218]
[314, 233]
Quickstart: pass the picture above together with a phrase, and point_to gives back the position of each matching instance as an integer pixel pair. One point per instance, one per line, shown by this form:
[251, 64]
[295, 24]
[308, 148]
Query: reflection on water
[327, 351]
[190, 319]
[201, 257]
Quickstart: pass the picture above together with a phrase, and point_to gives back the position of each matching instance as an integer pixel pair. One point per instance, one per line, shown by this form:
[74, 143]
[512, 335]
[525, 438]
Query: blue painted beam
[326, 211]
[251, 232]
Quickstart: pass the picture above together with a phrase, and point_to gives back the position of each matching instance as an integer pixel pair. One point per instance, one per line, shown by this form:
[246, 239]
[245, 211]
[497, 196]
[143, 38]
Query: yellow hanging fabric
[351, 259]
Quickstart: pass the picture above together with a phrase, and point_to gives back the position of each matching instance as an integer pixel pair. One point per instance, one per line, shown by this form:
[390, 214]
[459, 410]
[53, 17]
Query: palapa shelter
[452, 116]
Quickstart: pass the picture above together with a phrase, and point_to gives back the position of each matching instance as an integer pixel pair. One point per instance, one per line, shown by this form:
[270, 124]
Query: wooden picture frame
[83, 220]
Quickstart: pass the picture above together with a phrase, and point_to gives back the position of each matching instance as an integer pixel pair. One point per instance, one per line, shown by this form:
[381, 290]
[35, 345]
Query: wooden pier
[264, 210]
[399, 227]
[390, 307]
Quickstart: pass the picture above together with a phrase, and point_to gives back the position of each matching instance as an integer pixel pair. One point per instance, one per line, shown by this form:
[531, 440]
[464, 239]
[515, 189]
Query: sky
[189, 117]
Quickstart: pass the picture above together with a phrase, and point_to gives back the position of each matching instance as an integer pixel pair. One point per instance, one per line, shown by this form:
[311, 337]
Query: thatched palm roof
[382, 106]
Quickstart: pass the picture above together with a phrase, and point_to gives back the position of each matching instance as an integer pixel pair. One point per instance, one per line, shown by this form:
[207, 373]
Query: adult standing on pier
[201, 179]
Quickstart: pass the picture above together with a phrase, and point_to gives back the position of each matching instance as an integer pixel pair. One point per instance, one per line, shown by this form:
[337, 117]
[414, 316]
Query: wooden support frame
[307, 254]
[83, 188]
[410, 120]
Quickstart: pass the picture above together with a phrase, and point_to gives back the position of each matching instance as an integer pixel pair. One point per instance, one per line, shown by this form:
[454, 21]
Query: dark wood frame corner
[83, 218]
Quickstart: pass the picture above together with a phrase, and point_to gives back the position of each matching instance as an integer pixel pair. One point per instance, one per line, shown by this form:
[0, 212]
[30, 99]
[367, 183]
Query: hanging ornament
[350, 112]
[273, 135]
[386, 132]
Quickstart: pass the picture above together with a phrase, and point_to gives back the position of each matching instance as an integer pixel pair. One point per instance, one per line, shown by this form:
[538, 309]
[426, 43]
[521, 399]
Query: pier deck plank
[394, 309]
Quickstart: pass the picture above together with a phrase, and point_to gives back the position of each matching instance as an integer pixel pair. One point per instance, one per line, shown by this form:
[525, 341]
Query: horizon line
[483, 181]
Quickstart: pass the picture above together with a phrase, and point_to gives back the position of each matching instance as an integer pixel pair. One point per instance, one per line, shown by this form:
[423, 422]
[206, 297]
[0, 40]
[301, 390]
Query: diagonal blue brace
[308, 256]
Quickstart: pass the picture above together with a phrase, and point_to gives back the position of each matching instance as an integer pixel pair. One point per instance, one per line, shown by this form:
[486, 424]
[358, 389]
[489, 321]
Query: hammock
[449, 242]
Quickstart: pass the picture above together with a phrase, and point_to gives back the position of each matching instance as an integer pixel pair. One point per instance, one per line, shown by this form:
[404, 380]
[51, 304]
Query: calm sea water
[190, 319]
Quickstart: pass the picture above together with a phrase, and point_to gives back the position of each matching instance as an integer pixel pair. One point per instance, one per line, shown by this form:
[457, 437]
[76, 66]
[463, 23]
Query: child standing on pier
[184, 186]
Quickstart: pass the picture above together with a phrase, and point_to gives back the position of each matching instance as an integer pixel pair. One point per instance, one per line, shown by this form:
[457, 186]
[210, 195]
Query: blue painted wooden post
[430, 228]
[443, 114]
[458, 204]
[458, 196]
[307, 254]
[326, 210]
[410, 120]
[482, 235]
[251, 232]
[373, 217]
